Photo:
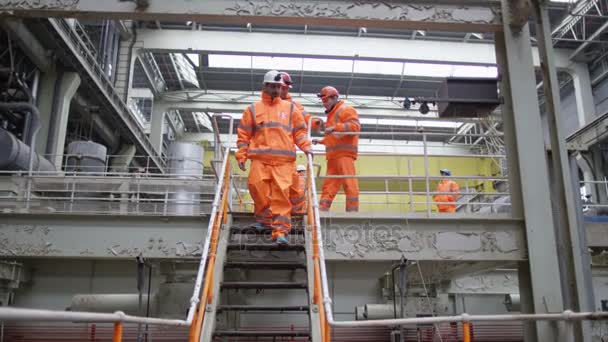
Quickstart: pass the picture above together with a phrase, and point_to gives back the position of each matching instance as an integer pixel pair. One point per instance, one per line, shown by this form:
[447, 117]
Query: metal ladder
[250, 269]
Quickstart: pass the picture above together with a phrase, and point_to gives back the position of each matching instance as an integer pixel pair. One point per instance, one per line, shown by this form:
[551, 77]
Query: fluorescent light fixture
[346, 66]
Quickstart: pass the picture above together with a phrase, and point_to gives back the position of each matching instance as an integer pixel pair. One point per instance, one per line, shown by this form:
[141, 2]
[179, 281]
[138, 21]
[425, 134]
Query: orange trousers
[269, 187]
[342, 166]
[446, 208]
[297, 194]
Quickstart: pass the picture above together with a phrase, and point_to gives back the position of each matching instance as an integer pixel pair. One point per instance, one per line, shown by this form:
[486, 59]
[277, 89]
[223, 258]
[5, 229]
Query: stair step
[246, 229]
[266, 265]
[261, 333]
[303, 308]
[265, 247]
[263, 285]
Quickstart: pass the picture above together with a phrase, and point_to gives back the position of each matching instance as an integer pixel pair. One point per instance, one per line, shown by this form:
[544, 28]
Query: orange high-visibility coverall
[266, 134]
[316, 123]
[297, 194]
[446, 185]
[341, 153]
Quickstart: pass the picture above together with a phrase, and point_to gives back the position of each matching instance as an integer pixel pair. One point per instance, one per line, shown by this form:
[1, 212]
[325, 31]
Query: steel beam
[28, 42]
[373, 237]
[79, 236]
[355, 237]
[463, 15]
[207, 104]
[315, 46]
[590, 134]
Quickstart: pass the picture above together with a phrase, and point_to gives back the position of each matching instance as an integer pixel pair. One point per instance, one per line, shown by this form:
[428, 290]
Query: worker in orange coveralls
[446, 186]
[340, 149]
[285, 95]
[266, 134]
[297, 192]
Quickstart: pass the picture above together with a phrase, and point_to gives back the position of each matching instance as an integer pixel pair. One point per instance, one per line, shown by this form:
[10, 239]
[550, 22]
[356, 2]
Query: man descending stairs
[262, 291]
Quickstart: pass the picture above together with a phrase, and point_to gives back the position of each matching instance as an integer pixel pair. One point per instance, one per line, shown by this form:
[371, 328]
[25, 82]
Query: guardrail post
[117, 332]
[466, 332]
[426, 176]
[410, 184]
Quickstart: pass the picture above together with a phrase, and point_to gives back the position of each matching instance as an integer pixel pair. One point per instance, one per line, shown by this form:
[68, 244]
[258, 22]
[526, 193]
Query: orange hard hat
[328, 91]
[286, 79]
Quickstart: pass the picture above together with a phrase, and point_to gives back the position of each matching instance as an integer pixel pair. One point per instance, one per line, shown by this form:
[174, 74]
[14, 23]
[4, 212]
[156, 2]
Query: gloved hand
[242, 166]
[329, 130]
[315, 141]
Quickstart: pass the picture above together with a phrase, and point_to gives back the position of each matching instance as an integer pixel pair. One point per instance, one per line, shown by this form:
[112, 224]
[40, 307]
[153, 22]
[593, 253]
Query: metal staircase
[259, 281]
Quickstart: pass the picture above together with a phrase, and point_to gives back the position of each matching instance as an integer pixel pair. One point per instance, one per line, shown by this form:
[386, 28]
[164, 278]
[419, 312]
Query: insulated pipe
[28, 315]
[128, 303]
[34, 125]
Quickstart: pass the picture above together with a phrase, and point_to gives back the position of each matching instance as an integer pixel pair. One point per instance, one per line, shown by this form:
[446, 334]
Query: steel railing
[198, 301]
[109, 193]
[321, 288]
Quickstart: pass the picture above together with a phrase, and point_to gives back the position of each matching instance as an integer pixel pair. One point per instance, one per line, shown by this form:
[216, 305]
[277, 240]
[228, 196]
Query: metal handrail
[218, 215]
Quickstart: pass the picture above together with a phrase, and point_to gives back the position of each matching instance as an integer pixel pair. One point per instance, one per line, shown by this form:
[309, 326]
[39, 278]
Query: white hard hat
[301, 168]
[273, 76]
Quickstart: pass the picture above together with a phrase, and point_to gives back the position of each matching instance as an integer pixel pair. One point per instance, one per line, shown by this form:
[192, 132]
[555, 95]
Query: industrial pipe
[15, 155]
[128, 303]
[34, 125]
[28, 315]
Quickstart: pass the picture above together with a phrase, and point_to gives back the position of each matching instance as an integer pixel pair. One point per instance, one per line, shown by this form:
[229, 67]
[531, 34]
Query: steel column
[526, 124]
[575, 293]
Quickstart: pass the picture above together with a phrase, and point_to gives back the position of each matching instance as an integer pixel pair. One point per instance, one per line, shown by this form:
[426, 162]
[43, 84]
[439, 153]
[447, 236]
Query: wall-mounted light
[424, 108]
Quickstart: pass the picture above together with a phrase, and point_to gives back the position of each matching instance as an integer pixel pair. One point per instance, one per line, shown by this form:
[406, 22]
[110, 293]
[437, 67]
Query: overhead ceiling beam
[386, 111]
[454, 15]
[315, 46]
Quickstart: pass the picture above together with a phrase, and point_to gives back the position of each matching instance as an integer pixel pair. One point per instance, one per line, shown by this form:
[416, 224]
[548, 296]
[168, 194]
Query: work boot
[260, 226]
[281, 241]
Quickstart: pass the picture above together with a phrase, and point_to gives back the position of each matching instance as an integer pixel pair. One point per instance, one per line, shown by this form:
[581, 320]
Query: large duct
[185, 161]
[15, 155]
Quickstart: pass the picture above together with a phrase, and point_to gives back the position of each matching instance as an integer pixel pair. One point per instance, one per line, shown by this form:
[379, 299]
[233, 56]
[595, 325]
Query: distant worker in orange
[297, 192]
[341, 149]
[266, 134]
[448, 192]
[285, 95]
